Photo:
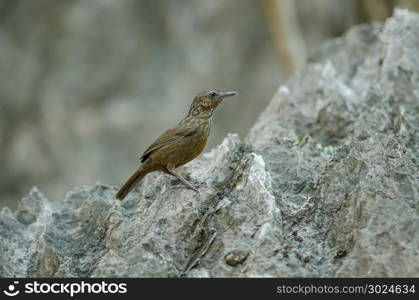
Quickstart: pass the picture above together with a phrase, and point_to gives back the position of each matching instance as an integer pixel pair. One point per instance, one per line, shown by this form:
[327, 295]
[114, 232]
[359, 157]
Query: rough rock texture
[81, 82]
[326, 184]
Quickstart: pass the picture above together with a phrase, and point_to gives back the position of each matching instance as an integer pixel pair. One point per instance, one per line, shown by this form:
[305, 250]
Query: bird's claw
[196, 190]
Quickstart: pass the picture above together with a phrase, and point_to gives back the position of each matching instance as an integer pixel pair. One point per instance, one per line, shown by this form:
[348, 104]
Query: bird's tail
[130, 183]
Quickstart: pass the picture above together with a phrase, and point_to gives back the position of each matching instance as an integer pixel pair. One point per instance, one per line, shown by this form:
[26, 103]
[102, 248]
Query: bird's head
[205, 103]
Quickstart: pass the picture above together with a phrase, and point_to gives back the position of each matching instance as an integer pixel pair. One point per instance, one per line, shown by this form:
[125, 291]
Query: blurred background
[87, 85]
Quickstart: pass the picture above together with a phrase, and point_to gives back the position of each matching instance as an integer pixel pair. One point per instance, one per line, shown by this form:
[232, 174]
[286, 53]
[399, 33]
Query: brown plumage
[179, 145]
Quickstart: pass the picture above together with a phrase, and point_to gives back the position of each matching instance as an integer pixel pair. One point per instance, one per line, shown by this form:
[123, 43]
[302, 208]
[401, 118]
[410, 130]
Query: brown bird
[179, 145]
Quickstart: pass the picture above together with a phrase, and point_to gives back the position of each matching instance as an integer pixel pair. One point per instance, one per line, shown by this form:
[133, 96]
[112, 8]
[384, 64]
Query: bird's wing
[168, 137]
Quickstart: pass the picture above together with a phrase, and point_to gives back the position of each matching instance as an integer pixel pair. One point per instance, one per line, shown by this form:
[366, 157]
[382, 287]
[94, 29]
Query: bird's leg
[185, 182]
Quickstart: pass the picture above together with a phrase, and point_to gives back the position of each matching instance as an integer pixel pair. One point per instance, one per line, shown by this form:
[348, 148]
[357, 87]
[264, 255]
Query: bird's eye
[212, 94]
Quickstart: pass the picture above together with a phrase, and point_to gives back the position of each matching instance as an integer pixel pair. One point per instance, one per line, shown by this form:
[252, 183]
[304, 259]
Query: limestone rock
[325, 184]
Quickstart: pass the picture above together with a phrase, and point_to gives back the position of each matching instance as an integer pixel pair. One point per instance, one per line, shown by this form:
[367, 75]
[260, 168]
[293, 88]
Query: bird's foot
[188, 185]
[192, 187]
[198, 184]
[195, 189]
[183, 180]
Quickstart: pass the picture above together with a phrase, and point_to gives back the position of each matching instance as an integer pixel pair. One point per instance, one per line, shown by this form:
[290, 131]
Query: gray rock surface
[83, 81]
[325, 184]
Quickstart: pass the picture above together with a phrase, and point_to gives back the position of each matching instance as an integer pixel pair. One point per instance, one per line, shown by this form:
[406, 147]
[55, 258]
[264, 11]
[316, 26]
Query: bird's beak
[227, 94]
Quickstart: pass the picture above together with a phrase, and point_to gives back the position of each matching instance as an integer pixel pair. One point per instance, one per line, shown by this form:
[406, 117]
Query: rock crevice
[325, 184]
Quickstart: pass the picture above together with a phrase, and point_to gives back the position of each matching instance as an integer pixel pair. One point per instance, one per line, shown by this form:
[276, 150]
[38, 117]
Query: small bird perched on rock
[179, 145]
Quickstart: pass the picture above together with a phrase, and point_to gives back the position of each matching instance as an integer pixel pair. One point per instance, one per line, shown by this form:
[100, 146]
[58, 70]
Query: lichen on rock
[325, 184]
